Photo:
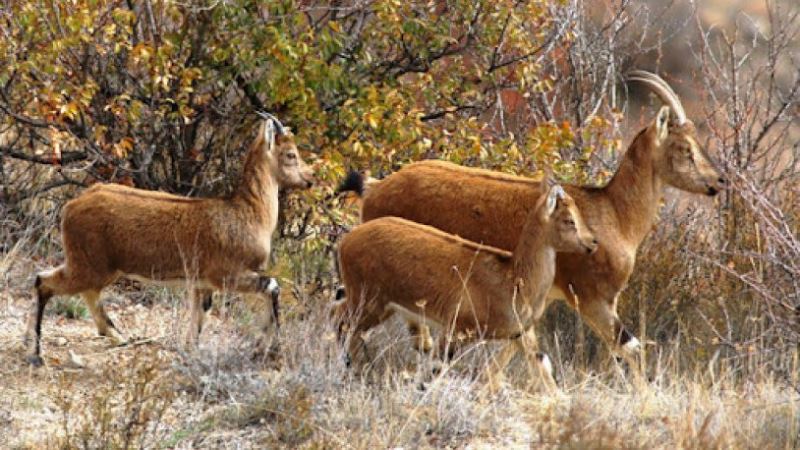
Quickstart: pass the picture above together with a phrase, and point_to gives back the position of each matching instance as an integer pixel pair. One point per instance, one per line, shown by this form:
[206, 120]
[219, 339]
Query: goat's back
[479, 205]
[154, 235]
[390, 259]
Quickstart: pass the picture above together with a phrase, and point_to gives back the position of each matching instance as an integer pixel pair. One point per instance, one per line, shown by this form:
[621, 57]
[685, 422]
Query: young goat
[490, 207]
[113, 231]
[391, 265]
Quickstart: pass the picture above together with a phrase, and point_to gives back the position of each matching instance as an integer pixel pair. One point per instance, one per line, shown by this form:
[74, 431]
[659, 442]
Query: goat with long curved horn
[486, 207]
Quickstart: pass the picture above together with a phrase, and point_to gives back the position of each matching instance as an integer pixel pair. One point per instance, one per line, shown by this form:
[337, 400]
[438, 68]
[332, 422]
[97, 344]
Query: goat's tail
[354, 182]
[337, 306]
[337, 314]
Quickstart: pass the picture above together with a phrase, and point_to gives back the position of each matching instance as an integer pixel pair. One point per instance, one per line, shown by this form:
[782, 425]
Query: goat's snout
[716, 186]
[592, 246]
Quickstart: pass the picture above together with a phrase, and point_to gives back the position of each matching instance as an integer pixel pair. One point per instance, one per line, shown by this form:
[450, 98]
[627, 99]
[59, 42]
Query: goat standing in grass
[391, 265]
[490, 207]
[112, 231]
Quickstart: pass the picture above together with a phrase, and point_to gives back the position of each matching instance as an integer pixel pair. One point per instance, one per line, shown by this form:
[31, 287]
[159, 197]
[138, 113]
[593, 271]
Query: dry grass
[156, 395]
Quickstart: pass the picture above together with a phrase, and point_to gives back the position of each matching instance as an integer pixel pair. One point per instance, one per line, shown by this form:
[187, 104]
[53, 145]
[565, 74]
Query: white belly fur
[171, 282]
[413, 317]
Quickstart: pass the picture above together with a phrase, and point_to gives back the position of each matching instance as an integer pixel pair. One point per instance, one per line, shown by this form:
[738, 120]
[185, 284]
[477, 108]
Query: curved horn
[559, 192]
[267, 116]
[662, 89]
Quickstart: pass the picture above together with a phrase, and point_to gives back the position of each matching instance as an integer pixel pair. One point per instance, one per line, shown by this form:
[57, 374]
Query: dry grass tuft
[124, 408]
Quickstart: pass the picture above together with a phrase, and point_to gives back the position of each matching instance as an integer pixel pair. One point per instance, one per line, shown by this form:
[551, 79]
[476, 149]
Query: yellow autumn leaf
[371, 120]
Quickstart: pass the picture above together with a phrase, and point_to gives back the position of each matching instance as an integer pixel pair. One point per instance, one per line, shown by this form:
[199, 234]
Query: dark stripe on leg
[276, 294]
[624, 336]
[41, 301]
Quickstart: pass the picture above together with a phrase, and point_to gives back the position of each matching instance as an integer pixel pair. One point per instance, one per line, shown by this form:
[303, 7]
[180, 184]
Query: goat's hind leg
[341, 317]
[48, 284]
[363, 321]
[105, 327]
[350, 322]
[42, 293]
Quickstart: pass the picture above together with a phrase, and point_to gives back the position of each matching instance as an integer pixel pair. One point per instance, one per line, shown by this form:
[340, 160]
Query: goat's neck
[534, 261]
[258, 190]
[635, 191]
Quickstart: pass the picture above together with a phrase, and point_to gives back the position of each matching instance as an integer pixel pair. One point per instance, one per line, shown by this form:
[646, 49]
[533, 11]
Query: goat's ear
[282, 133]
[548, 181]
[555, 194]
[662, 124]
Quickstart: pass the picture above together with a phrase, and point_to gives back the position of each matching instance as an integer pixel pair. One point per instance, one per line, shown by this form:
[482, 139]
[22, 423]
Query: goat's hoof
[267, 348]
[35, 360]
[437, 368]
[274, 351]
[116, 338]
[348, 361]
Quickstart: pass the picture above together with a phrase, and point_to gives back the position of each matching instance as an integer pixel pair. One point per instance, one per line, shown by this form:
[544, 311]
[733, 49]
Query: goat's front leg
[540, 369]
[421, 337]
[538, 364]
[602, 317]
[255, 283]
[495, 371]
[451, 342]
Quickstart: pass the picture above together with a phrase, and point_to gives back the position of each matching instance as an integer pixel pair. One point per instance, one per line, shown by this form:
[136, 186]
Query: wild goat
[392, 265]
[113, 231]
[490, 207]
